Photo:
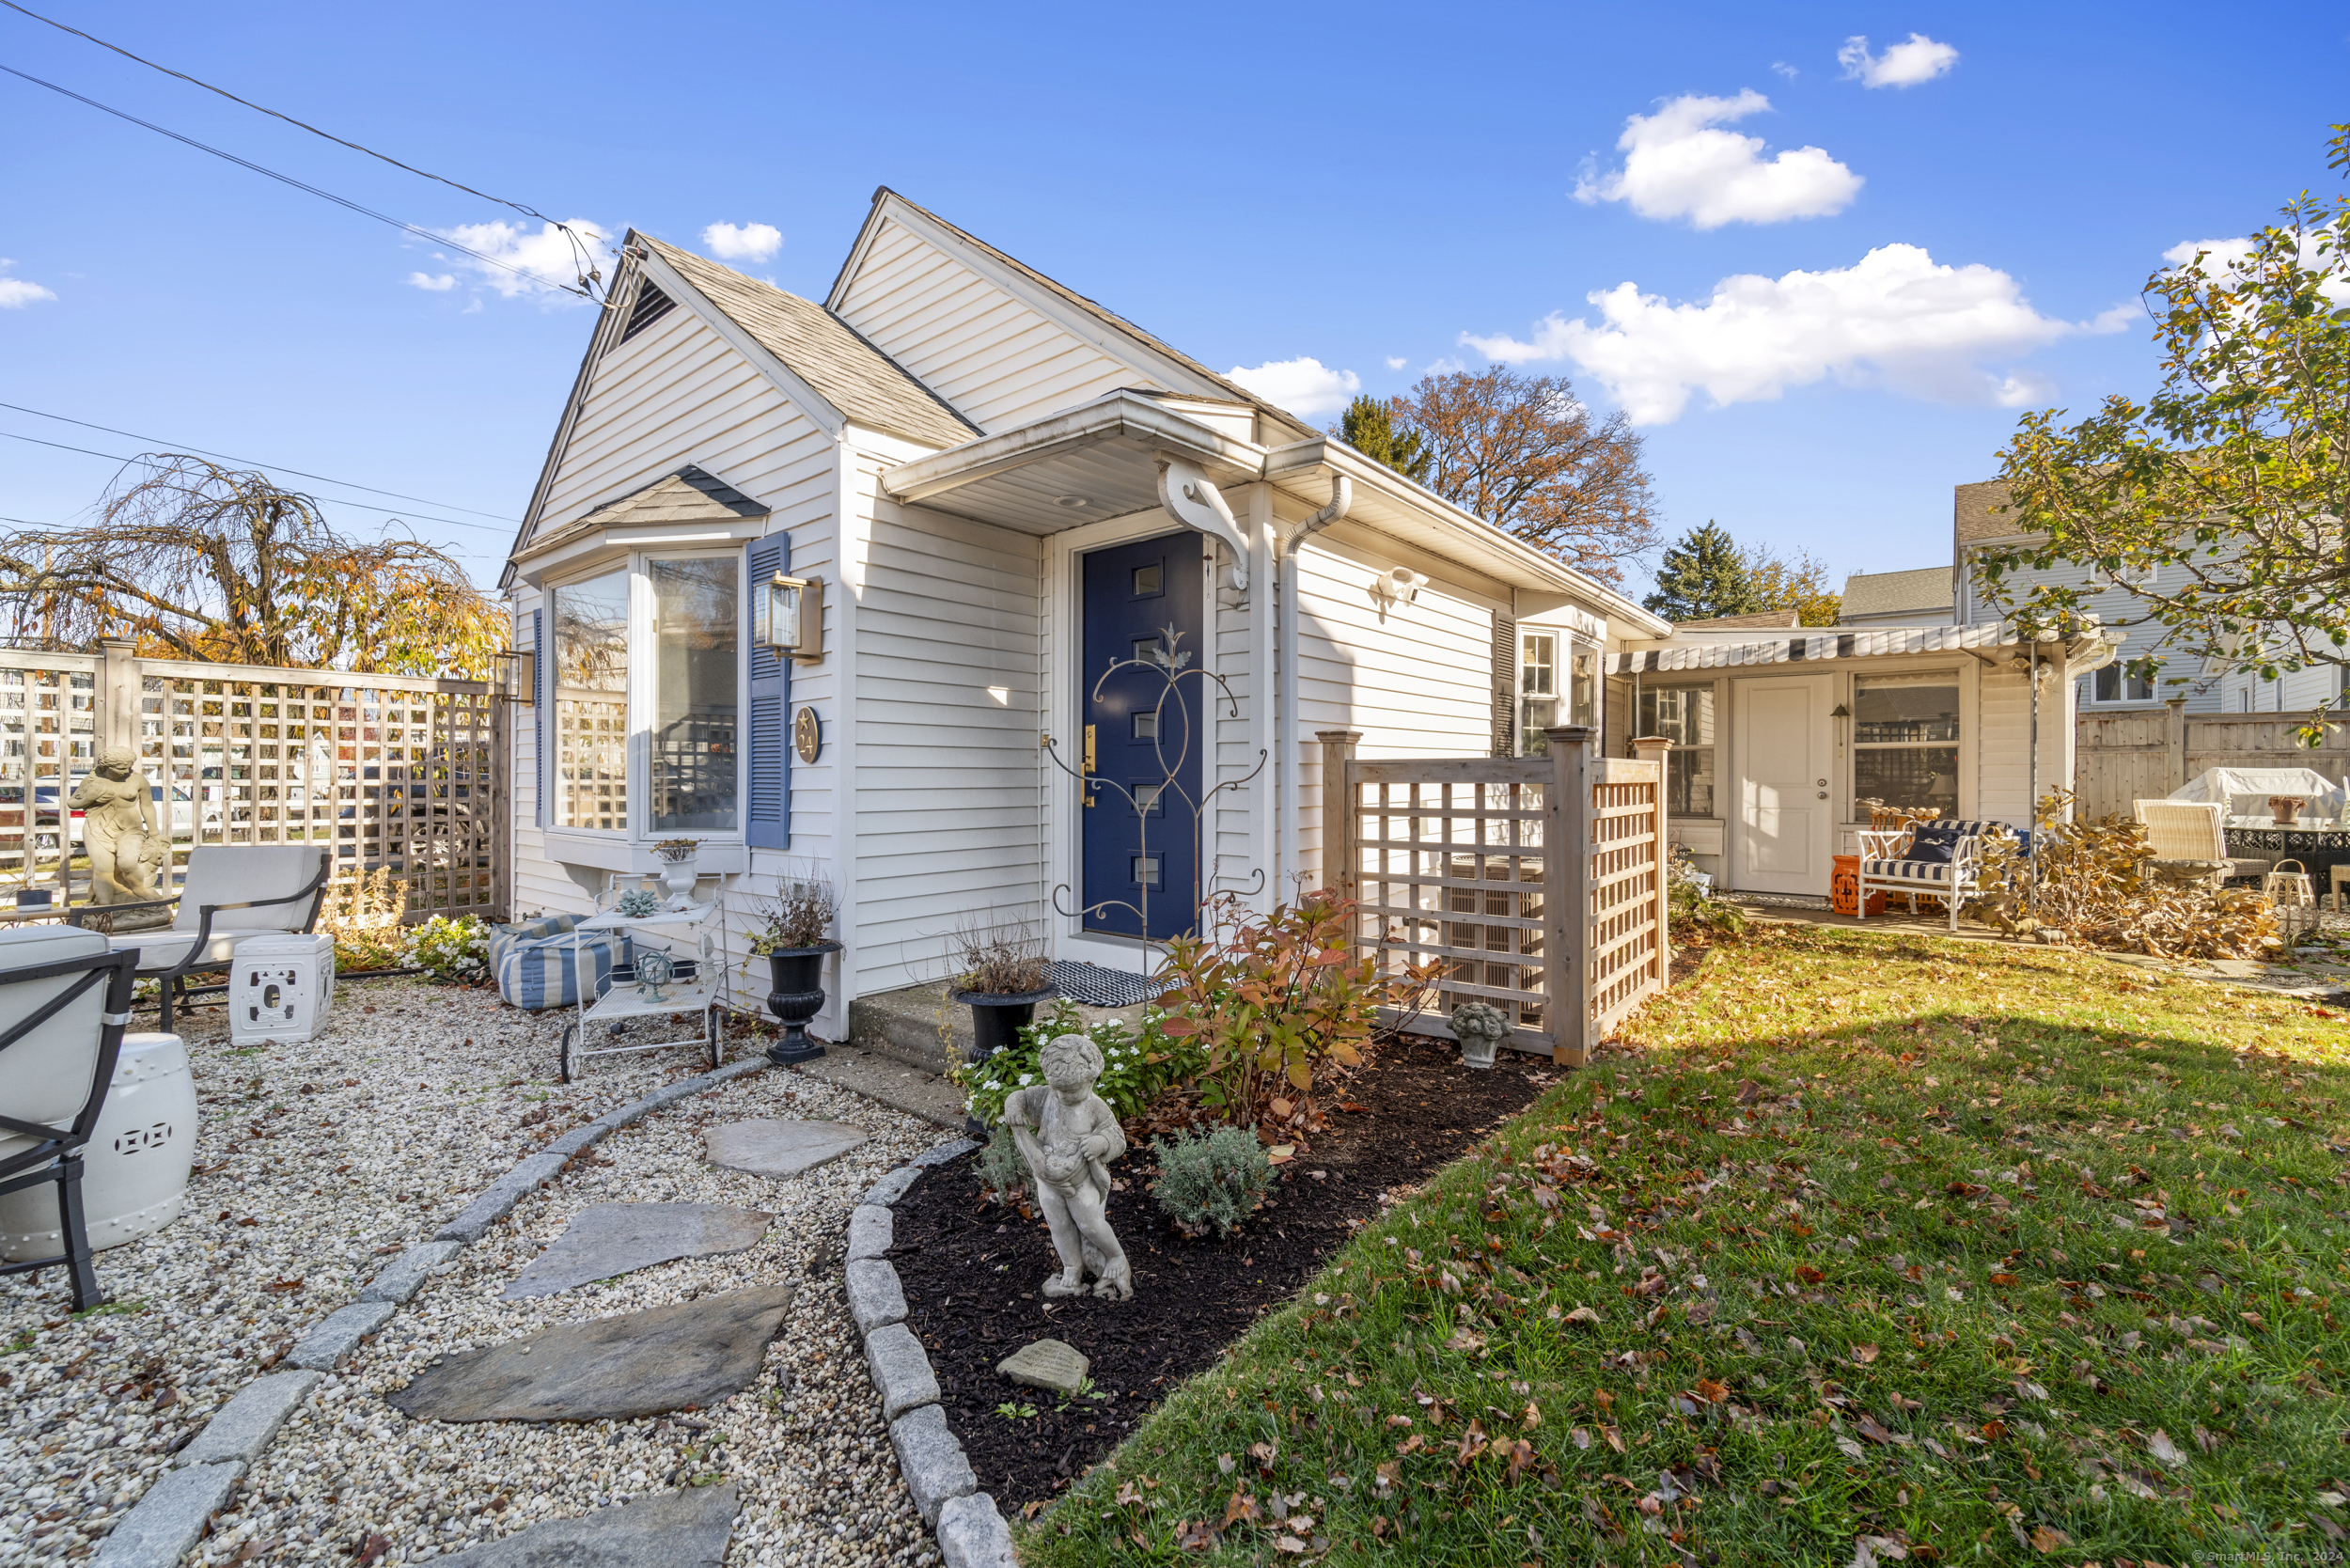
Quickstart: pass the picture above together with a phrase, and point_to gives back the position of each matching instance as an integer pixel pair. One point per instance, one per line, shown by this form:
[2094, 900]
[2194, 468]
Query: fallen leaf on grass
[1242, 1509]
[2047, 1538]
[1264, 1453]
[1583, 1314]
[1864, 1354]
[1290, 1543]
[1614, 1437]
[1808, 1275]
[2164, 1449]
[1580, 1437]
[1850, 1449]
[1193, 1535]
[1466, 1342]
[1385, 1479]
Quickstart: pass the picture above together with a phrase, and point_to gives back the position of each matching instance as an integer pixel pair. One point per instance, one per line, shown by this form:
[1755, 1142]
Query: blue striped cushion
[1908, 870]
[504, 938]
[553, 971]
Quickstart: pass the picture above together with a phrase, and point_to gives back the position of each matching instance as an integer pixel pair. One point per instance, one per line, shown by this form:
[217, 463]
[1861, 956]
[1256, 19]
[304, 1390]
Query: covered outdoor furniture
[1938, 859]
[229, 892]
[2189, 841]
[539, 963]
[2245, 791]
[65, 998]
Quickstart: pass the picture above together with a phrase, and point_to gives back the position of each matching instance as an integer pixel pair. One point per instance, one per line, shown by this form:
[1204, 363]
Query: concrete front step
[918, 1026]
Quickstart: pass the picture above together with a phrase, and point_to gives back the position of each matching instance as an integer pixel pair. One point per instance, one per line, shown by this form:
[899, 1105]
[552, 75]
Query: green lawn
[1866, 1247]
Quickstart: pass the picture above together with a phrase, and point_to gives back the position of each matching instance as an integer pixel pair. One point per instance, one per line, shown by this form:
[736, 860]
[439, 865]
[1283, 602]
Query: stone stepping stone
[769, 1148]
[694, 1353]
[621, 1238]
[670, 1529]
[1049, 1364]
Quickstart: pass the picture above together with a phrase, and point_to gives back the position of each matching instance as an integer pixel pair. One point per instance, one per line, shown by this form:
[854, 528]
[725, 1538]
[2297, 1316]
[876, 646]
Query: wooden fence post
[1567, 894]
[1658, 749]
[1341, 864]
[2177, 734]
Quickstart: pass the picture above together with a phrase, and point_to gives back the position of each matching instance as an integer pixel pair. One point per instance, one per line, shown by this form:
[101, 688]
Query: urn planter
[2285, 811]
[797, 975]
[996, 1020]
[678, 876]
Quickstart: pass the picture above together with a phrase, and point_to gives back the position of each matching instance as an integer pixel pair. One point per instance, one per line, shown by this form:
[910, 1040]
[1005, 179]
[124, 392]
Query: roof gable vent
[651, 305]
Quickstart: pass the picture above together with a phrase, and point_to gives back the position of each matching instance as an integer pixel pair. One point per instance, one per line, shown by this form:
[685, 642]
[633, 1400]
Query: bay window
[1905, 742]
[647, 692]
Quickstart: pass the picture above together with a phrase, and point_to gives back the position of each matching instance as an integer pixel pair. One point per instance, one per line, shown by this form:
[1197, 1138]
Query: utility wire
[588, 277]
[583, 289]
[273, 467]
[363, 506]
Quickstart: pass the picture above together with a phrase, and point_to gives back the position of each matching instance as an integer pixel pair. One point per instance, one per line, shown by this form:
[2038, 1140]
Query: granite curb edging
[169, 1518]
[971, 1531]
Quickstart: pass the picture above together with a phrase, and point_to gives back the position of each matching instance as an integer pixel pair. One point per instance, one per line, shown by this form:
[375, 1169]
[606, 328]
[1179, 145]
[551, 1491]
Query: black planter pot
[798, 976]
[996, 1021]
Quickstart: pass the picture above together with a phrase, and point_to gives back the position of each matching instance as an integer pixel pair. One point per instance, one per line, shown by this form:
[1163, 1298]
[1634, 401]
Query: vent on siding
[651, 305]
[1505, 687]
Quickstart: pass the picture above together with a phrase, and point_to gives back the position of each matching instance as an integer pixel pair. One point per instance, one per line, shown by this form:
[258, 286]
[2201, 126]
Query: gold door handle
[1085, 782]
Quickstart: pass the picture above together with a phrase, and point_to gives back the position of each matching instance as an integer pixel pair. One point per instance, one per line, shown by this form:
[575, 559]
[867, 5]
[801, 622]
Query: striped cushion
[553, 971]
[1908, 870]
[502, 938]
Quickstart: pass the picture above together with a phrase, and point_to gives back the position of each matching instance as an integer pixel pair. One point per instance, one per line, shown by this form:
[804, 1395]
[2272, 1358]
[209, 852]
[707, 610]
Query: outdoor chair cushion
[234, 873]
[503, 938]
[1932, 843]
[159, 950]
[1927, 871]
[45, 1076]
[553, 971]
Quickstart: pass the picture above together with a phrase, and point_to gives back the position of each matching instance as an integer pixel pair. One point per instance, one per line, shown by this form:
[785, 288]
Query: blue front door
[1141, 836]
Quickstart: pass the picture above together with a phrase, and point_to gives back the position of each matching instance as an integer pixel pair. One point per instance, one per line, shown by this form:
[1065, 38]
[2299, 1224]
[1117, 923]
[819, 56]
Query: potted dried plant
[677, 865]
[792, 938]
[1002, 974]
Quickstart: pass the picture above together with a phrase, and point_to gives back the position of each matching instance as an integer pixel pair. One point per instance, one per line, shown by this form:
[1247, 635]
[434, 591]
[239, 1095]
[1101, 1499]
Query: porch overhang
[1994, 644]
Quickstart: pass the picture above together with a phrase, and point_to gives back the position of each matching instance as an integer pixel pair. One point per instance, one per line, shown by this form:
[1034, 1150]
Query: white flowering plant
[453, 953]
[1137, 1065]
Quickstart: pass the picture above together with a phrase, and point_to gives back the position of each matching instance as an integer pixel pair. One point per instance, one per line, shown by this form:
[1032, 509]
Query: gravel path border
[169, 1518]
[971, 1534]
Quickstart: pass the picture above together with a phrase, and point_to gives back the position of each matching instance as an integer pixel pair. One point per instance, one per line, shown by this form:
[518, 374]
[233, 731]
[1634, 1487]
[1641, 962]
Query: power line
[581, 288]
[273, 467]
[363, 506]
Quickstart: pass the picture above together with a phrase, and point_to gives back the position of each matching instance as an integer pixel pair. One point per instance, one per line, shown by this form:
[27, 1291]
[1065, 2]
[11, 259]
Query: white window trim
[639, 838]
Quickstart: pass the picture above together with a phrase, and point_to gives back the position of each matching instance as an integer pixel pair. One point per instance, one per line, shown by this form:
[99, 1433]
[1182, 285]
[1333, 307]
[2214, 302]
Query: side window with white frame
[1537, 690]
[1683, 716]
[1905, 742]
[2115, 684]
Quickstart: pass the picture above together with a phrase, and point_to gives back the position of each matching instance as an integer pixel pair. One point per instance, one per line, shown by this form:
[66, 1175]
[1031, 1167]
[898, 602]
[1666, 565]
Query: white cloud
[1301, 386]
[2222, 257]
[17, 293]
[1395, 362]
[2224, 253]
[1783, 69]
[437, 283]
[548, 257]
[1896, 319]
[1677, 165]
[1901, 64]
[750, 242]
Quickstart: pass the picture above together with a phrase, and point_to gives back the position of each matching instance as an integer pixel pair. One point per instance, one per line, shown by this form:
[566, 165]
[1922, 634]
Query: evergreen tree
[1369, 427]
[1704, 576]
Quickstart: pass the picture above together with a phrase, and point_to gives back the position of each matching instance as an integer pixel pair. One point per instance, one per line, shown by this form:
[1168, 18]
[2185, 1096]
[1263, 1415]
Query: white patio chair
[66, 998]
[2189, 838]
[231, 892]
[1886, 863]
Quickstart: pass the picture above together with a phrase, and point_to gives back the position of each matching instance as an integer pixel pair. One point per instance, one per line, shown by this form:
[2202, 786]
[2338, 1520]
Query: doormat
[1783, 901]
[1091, 986]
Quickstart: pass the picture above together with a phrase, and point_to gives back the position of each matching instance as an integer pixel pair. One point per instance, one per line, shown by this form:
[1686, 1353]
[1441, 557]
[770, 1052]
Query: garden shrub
[1213, 1181]
[1693, 909]
[453, 953]
[1003, 1174]
[1137, 1065]
[362, 915]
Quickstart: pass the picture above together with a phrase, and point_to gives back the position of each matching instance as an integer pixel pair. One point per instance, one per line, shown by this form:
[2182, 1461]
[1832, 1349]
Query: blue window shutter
[768, 823]
[539, 685]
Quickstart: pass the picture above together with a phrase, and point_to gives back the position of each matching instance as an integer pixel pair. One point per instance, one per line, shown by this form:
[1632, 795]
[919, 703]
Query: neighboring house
[998, 487]
[1979, 521]
[1925, 597]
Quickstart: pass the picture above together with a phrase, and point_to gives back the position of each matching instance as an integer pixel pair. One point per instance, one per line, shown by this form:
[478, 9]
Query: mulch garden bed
[971, 1270]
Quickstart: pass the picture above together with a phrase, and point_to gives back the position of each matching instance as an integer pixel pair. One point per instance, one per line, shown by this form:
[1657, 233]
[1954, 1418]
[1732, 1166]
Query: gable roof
[844, 369]
[691, 494]
[1759, 620]
[1975, 515]
[883, 196]
[1928, 588]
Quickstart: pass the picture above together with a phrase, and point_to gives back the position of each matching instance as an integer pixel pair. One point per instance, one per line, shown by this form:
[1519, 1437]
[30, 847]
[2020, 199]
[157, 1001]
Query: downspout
[1287, 803]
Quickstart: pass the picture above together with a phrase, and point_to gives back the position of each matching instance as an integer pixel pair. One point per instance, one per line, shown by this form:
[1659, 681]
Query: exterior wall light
[517, 675]
[789, 612]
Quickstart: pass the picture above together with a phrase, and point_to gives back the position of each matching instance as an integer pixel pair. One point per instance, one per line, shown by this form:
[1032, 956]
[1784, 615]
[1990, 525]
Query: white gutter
[1288, 752]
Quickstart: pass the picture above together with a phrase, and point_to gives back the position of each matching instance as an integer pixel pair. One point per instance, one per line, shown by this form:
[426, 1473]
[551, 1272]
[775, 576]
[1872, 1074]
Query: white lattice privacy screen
[394, 772]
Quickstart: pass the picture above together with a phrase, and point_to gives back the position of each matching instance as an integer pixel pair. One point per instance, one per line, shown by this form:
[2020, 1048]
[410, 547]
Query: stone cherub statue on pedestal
[120, 832]
[1069, 1137]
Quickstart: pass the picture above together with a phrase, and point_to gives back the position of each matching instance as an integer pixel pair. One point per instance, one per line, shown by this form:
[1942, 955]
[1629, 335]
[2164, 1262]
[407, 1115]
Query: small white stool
[134, 1168]
[280, 988]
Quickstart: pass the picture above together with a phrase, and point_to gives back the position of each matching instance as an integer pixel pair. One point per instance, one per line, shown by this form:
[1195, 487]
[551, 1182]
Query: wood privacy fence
[395, 772]
[2145, 753]
[1451, 858]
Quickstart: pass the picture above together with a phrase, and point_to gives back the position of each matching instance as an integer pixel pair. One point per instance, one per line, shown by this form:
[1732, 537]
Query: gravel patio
[315, 1165]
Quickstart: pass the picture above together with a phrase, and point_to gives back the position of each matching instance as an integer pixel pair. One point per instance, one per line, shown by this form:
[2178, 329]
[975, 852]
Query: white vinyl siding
[946, 805]
[997, 360]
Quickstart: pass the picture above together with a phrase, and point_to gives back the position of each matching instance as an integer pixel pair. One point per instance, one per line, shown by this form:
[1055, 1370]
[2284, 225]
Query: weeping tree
[191, 560]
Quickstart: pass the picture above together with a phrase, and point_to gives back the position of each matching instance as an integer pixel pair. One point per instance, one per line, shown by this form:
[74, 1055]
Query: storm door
[1140, 843]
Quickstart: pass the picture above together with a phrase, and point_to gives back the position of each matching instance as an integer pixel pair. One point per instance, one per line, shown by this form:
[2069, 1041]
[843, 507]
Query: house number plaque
[806, 739]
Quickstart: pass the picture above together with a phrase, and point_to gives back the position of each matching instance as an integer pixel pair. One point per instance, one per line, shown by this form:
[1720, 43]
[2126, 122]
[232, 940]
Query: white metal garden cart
[674, 967]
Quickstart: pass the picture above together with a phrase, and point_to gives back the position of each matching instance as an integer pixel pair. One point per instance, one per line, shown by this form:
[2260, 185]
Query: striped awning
[1819, 647]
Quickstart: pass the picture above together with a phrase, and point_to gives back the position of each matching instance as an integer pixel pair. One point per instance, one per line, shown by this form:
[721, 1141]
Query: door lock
[1085, 782]
[1824, 794]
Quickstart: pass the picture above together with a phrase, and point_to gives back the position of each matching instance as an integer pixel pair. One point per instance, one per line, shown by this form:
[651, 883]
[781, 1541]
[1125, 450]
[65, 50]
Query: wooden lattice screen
[1446, 859]
[399, 773]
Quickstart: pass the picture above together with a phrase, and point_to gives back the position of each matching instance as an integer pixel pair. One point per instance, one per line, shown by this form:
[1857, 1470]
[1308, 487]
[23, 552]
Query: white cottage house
[996, 488]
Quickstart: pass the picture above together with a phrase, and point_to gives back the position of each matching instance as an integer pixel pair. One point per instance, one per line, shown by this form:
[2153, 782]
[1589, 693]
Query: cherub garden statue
[120, 832]
[1069, 1137]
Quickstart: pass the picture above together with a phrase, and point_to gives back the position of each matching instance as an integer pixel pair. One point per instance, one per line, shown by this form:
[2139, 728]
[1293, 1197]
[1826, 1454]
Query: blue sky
[1373, 188]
